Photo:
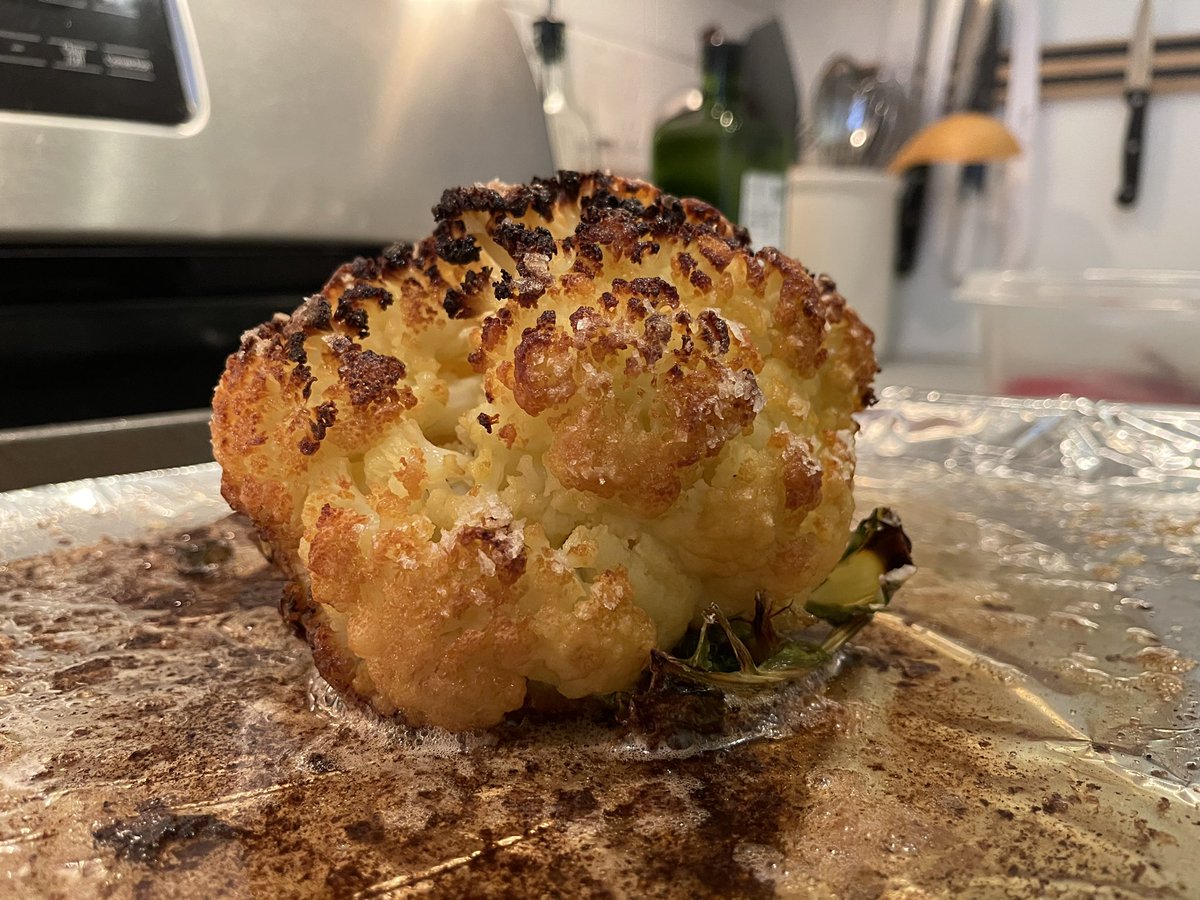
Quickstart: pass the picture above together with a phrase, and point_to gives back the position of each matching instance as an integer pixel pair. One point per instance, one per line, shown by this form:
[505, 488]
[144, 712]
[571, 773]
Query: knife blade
[973, 88]
[1138, 75]
[941, 23]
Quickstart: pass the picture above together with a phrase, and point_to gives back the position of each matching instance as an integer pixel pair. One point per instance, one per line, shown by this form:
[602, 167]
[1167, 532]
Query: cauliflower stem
[750, 654]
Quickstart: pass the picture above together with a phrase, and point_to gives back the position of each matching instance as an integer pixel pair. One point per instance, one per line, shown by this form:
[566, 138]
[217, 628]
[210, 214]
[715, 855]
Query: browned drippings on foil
[158, 739]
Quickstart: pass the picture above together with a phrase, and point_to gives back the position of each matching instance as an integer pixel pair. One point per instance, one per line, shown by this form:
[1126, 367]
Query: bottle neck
[718, 88]
[556, 88]
[720, 81]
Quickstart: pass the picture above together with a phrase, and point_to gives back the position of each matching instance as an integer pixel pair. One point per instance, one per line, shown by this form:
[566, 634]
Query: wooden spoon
[967, 137]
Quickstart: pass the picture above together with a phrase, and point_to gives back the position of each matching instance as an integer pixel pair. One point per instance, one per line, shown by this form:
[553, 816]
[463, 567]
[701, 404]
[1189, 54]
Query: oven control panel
[109, 59]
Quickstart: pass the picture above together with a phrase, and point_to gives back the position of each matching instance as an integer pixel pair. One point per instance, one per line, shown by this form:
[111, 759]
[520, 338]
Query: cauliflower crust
[537, 444]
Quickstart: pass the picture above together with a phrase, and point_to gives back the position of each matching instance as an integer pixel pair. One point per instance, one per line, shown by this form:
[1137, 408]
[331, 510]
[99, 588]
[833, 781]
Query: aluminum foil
[36, 520]
[1076, 526]
[1061, 441]
[1023, 722]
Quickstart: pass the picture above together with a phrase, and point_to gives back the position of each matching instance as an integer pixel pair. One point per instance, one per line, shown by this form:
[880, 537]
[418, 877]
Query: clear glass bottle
[722, 153]
[570, 132]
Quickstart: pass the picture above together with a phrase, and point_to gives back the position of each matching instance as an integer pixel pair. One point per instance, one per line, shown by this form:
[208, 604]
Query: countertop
[952, 377]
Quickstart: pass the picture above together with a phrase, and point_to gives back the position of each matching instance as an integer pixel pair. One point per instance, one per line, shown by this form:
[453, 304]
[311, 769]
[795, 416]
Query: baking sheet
[1023, 722]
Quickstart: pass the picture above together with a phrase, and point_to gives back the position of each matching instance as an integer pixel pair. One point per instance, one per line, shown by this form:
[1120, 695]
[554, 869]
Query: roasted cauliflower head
[541, 442]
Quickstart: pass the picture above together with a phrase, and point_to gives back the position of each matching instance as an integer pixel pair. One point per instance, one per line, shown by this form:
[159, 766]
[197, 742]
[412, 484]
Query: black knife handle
[912, 203]
[1132, 166]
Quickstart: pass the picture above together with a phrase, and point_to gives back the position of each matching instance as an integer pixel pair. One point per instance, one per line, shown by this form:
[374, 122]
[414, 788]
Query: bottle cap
[550, 37]
[718, 52]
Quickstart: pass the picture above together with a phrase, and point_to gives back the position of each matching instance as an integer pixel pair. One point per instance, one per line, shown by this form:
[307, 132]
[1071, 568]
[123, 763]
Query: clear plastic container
[1110, 334]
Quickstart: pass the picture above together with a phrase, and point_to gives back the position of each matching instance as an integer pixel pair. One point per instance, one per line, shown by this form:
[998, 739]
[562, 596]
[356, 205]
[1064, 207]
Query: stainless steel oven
[171, 173]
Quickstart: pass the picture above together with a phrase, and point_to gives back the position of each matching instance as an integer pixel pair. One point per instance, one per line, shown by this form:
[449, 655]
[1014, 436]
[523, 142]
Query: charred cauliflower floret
[537, 445]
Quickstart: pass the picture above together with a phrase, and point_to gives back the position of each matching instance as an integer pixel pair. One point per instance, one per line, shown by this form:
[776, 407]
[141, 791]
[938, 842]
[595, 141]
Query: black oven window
[108, 331]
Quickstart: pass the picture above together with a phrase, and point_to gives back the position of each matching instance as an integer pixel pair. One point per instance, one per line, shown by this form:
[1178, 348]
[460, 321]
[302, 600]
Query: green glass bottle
[721, 152]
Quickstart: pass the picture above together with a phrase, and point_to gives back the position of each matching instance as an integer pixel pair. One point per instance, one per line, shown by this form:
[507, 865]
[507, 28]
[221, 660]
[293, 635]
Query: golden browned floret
[538, 444]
